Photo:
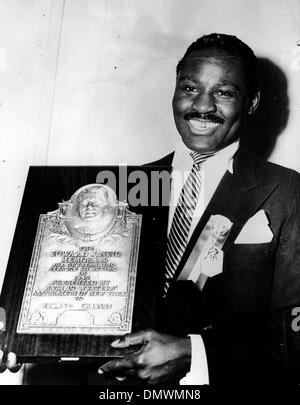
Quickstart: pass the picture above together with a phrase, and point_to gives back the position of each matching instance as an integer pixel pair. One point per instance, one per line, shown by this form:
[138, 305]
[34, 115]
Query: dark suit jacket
[245, 314]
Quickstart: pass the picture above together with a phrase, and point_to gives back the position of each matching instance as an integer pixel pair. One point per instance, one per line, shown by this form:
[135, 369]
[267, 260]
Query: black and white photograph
[150, 195]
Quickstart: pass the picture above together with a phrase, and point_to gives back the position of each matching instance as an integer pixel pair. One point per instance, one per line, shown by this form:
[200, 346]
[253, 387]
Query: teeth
[88, 214]
[203, 124]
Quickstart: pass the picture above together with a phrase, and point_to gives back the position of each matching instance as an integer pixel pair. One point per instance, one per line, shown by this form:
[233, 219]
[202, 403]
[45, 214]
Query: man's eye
[190, 89]
[224, 94]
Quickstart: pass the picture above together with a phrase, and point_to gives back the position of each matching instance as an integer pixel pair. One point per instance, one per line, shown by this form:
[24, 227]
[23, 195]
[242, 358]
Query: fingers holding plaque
[82, 273]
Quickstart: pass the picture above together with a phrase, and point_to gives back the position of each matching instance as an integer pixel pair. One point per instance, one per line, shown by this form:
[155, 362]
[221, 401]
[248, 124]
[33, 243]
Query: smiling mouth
[200, 126]
[89, 214]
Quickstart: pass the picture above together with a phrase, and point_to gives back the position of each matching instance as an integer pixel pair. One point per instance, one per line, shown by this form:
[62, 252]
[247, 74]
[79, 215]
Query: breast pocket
[251, 249]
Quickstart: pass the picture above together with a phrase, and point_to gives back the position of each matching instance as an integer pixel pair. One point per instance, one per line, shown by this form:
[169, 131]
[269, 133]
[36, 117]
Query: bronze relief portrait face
[92, 211]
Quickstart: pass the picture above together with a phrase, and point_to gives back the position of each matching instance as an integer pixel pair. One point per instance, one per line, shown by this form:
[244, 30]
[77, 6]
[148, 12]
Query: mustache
[206, 117]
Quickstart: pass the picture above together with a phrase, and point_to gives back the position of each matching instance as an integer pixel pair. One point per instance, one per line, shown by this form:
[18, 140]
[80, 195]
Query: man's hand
[162, 358]
[11, 363]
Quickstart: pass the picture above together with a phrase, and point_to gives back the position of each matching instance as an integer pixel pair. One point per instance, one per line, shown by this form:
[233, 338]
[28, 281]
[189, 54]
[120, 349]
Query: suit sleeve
[265, 349]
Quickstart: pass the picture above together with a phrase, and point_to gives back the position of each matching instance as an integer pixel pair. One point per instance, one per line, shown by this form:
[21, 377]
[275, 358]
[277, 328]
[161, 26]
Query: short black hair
[233, 46]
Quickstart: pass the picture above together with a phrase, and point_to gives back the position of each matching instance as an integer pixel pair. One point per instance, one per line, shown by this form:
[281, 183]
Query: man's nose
[204, 103]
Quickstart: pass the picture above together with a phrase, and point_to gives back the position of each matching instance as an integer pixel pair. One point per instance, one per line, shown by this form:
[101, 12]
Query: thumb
[131, 339]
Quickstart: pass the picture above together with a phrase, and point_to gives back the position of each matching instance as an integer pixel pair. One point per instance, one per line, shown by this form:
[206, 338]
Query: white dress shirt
[212, 171]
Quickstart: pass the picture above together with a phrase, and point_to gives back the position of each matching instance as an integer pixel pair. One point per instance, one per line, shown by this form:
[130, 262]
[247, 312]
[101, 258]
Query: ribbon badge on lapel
[206, 258]
[216, 231]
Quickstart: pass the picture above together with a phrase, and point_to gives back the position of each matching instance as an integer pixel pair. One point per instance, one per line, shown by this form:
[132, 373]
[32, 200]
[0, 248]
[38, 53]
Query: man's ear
[254, 103]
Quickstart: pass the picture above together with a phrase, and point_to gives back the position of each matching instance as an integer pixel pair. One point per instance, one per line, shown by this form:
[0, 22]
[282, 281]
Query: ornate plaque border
[23, 327]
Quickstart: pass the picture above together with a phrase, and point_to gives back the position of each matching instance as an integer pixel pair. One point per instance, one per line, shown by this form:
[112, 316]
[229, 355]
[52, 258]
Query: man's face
[211, 100]
[92, 206]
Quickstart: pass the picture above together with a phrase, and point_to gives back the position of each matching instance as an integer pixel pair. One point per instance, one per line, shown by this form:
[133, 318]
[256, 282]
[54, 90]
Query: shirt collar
[222, 160]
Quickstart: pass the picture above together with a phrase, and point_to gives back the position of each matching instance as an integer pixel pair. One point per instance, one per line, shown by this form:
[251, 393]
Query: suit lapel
[165, 162]
[237, 197]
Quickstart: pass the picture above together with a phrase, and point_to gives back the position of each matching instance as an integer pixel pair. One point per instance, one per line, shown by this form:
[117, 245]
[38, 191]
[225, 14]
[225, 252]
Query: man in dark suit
[227, 317]
[232, 273]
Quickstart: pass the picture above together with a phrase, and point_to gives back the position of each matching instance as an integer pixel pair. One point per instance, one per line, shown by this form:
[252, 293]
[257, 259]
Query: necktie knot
[199, 158]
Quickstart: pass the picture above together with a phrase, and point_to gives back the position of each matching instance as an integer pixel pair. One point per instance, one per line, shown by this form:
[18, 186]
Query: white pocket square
[256, 230]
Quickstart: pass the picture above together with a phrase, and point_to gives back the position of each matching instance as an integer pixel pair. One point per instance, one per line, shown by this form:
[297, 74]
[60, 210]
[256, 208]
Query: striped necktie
[183, 216]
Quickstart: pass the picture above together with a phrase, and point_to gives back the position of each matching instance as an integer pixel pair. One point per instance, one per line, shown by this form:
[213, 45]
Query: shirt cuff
[198, 374]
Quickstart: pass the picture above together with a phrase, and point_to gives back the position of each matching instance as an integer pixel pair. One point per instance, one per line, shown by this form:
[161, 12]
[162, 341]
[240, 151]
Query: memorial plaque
[82, 273]
[84, 268]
